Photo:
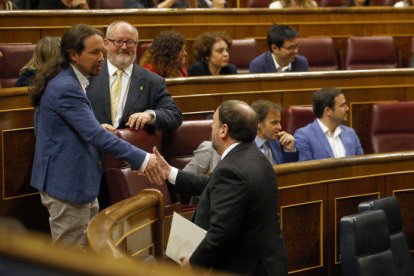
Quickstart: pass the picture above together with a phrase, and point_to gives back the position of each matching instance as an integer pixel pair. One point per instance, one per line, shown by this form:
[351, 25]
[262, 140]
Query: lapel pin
[141, 88]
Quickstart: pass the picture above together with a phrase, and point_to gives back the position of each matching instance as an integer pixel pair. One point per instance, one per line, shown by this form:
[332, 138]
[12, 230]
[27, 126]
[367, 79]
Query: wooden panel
[302, 226]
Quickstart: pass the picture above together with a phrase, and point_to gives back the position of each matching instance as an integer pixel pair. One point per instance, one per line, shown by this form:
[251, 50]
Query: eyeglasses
[119, 42]
[291, 48]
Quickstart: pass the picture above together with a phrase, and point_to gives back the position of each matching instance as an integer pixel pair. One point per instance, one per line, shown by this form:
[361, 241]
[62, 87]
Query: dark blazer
[280, 156]
[238, 208]
[69, 141]
[264, 64]
[146, 91]
[312, 143]
[200, 68]
[26, 77]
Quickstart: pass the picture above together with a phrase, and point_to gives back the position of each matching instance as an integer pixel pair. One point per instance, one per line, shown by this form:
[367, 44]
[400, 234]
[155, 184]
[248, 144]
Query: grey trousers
[68, 221]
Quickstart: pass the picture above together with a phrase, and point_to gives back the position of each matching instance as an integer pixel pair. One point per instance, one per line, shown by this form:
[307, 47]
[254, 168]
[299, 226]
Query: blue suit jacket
[264, 64]
[312, 143]
[67, 162]
[279, 155]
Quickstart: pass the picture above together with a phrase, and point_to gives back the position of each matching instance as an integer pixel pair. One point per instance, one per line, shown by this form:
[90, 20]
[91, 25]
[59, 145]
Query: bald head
[240, 118]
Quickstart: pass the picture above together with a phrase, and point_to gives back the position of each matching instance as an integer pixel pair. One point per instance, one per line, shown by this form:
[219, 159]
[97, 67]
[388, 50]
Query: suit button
[99, 162]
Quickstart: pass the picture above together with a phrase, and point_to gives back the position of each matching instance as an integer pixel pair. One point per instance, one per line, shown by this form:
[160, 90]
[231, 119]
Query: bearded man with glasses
[283, 53]
[126, 95]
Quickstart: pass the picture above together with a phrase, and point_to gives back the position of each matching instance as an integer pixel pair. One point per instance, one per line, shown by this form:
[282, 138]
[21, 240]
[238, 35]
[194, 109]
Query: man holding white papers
[238, 204]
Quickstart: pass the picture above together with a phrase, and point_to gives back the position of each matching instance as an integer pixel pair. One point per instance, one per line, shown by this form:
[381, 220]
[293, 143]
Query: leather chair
[365, 245]
[242, 52]
[399, 245]
[120, 180]
[320, 53]
[296, 117]
[15, 56]
[371, 52]
[258, 3]
[391, 127]
[179, 146]
[141, 50]
[106, 4]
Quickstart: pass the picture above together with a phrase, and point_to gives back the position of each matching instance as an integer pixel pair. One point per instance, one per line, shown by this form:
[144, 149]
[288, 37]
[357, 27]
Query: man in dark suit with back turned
[283, 53]
[143, 97]
[238, 204]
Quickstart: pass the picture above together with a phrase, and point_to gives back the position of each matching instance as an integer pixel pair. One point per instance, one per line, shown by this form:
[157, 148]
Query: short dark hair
[74, 40]
[262, 107]
[278, 33]
[204, 44]
[324, 98]
[240, 118]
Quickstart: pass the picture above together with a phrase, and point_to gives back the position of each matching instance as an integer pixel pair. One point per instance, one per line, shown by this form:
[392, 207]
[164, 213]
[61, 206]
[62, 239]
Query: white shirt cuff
[144, 164]
[154, 116]
[173, 175]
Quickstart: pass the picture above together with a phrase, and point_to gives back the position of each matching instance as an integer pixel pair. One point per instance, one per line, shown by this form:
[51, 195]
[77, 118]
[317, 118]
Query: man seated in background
[326, 137]
[283, 53]
[278, 146]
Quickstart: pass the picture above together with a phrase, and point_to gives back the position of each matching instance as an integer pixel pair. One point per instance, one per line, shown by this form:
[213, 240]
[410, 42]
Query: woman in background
[47, 50]
[212, 53]
[166, 56]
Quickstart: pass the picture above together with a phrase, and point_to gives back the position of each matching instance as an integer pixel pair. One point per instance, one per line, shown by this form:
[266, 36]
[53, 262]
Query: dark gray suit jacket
[146, 91]
[264, 64]
[238, 208]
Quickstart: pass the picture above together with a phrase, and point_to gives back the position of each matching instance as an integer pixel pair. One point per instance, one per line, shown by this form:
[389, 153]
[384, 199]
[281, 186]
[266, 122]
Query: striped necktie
[116, 89]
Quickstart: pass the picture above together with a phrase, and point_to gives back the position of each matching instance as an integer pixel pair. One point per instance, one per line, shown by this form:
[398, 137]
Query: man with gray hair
[126, 95]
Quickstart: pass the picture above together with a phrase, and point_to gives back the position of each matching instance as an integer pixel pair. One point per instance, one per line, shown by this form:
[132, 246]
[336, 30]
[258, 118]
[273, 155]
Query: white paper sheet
[184, 238]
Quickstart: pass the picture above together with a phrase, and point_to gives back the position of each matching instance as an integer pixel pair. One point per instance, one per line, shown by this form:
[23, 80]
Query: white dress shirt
[334, 140]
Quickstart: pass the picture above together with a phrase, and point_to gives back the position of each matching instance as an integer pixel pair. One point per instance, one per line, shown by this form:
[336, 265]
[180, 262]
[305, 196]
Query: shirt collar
[228, 150]
[112, 69]
[84, 82]
[284, 69]
[259, 141]
[326, 131]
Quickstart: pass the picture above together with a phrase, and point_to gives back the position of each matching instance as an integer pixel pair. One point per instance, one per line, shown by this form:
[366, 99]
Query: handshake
[157, 169]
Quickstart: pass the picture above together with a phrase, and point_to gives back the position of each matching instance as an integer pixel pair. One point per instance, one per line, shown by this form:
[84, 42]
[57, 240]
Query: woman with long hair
[47, 50]
[167, 55]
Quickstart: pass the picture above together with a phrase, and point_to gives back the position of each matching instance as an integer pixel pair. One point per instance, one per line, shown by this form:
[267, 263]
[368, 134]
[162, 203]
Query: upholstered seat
[371, 52]
[331, 3]
[15, 56]
[296, 117]
[242, 52]
[320, 53]
[391, 127]
[179, 146]
[106, 4]
[399, 246]
[258, 3]
[365, 245]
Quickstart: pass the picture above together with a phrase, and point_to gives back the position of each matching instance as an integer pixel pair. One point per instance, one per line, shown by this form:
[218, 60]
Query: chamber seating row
[377, 52]
[389, 132]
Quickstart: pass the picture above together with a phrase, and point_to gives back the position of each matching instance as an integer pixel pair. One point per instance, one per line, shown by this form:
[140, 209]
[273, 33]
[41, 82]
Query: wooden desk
[314, 195]
[338, 23]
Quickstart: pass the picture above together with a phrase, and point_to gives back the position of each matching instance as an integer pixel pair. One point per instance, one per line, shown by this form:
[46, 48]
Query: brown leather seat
[242, 52]
[141, 50]
[371, 52]
[106, 4]
[331, 3]
[181, 143]
[320, 53]
[15, 56]
[258, 3]
[392, 128]
[296, 117]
